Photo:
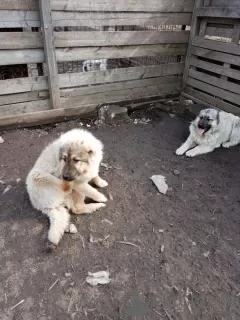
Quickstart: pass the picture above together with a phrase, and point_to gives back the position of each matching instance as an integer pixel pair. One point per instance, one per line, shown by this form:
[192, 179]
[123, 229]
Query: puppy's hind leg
[79, 207]
[231, 143]
[99, 182]
[59, 223]
[188, 144]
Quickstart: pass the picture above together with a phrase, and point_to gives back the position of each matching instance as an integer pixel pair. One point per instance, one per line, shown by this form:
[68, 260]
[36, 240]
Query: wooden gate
[144, 43]
[212, 69]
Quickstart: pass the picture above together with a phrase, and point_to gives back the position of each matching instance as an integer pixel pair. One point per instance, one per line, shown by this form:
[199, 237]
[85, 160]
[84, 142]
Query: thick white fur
[45, 186]
[226, 133]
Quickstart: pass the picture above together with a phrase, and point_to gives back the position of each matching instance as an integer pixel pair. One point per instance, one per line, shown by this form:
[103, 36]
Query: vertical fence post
[50, 53]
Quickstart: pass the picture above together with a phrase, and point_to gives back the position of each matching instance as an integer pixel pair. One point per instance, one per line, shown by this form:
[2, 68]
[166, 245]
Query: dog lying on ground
[59, 180]
[210, 130]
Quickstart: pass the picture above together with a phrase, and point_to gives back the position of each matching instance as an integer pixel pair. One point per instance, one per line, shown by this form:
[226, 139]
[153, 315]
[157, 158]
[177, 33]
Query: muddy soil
[183, 260]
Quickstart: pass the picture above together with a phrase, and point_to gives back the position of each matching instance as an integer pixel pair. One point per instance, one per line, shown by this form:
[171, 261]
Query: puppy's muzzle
[66, 177]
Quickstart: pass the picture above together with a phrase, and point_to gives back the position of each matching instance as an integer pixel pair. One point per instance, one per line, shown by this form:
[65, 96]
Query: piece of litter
[194, 244]
[72, 284]
[2, 182]
[18, 180]
[238, 294]
[206, 254]
[1, 140]
[7, 189]
[54, 283]
[162, 248]
[88, 125]
[16, 305]
[67, 274]
[188, 305]
[107, 221]
[171, 115]
[160, 183]
[161, 230]
[101, 277]
[92, 240]
[129, 244]
[176, 172]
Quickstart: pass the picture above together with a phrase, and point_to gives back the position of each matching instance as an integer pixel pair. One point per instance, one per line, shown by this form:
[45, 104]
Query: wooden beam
[211, 12]
[123, 5]
[215, 55]
[50, 54]
[90, 19]
[194, 29]
[216, 45]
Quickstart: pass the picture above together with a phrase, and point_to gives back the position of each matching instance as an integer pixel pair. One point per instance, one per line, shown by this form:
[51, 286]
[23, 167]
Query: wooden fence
[212, 69]
[151, 36]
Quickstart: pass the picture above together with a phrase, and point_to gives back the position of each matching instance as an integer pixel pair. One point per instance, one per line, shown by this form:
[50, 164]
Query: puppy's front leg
[99, 182]
[199, 150]
[188, 144]
[90, 192]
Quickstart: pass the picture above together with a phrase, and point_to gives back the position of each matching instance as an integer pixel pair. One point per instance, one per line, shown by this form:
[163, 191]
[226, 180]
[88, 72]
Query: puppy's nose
[66, 177]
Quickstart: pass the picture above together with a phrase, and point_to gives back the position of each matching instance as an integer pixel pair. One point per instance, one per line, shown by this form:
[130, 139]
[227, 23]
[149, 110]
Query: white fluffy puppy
[210, 130]
[59, 180]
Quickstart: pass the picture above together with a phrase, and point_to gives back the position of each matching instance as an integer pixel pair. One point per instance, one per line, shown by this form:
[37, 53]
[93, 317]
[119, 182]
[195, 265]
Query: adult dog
[58, 182]
[210, 130]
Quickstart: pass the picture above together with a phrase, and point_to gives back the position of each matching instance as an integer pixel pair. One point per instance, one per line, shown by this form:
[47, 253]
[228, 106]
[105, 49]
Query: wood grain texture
[123, 5]
[49, 48]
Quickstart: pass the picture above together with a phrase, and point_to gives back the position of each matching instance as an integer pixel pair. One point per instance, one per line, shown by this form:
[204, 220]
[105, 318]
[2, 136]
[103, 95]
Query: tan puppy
[59, 180]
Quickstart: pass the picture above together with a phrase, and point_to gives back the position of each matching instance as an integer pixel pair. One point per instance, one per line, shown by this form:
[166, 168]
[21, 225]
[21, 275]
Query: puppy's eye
[201, 117]
[208, 119]
[64, 159]
[76, 160]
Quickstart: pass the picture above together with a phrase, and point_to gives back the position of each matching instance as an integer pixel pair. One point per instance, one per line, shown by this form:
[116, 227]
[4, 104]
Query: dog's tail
[59, 219]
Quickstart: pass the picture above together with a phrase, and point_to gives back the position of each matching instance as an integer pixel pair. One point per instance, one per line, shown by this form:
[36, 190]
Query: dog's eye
[64, 159]
[201, 117]
[76, 160]
[208, 119]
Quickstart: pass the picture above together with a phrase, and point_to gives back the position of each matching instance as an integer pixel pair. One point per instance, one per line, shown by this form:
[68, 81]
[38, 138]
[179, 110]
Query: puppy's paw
[100, 198]
[191, 153]
[97, 206]
[226, 145]
[71, 228]
[102, 183]
[180, 151]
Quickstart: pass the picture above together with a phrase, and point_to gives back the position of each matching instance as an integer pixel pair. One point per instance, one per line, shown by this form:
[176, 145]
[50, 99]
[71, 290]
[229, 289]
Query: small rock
[161, 230]
[176, 172]
[206, 254]
[7, 189]
[18, 180]
[171, 115]
[72, 284]
[1, 140]
[162, 248]
[88, 125]
[67, 274]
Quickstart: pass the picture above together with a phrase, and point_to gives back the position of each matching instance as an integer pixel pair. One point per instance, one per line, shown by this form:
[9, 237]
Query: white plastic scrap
[7, 189]
[160, 183]
[1, 140]
[101, 277]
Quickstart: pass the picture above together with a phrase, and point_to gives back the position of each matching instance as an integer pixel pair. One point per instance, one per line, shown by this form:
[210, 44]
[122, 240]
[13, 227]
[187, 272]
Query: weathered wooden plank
[118, 86]
[23, 97]
[229, 96]
[9, 57]
[118, 38]
[74, 54]
[20, 40]
[49, 48]
[123, 95]
[19, 19]
[223, 3]
[229, 12]
[34, 40]
[123, 5]
[195, 25]
[18, 5]
[68, 80]
[201, 97]
[228, 72]
[44, 117]
[23, 85]
[220, 83]
[90, 19]
[215, 55]
[216, 45]
[24, 108]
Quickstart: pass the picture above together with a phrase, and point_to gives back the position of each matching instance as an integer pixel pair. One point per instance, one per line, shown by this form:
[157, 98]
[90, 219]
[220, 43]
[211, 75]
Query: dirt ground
[186, 260]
